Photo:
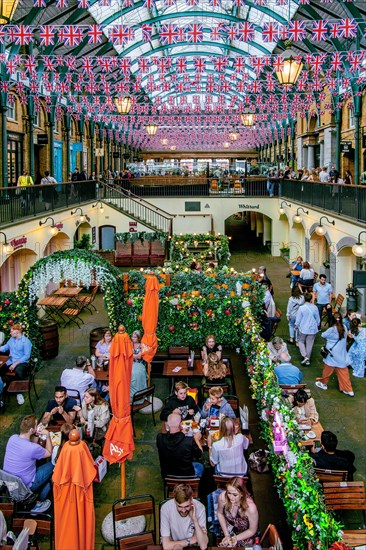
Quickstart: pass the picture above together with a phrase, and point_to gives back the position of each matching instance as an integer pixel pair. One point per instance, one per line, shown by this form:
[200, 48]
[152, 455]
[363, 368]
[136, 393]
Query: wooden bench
[326, 476]
[345, 495]
[354, 537]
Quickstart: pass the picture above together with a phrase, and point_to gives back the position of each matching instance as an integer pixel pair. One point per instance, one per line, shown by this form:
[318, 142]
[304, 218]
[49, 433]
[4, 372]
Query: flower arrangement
[141, 236]
[297, 485]
[200, 247]
[8, 312]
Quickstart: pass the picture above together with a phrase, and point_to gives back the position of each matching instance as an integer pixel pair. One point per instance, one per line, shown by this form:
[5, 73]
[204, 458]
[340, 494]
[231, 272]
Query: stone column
[311, 157]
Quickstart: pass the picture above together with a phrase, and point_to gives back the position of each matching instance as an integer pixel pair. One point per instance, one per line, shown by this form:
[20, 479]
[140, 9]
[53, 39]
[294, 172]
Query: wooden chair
[147, 398]
[237, 187]
[221, 480]
[336, 307]
[175, 351]
[25, 386]
[171, 481]
[127, 508]
[354, 537]
[86, 302]
[325, 476]
[72, 315]
[272, 534]
[205, 388]
[345, 496]
[44, 527]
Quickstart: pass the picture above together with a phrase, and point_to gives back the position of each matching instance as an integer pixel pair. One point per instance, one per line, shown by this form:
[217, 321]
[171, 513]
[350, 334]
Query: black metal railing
[138, 208]
[18, 203]
[345, 200]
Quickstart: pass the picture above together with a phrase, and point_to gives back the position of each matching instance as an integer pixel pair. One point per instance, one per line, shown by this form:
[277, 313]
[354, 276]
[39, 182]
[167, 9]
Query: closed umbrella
[73, 496]
[119, 444]
[150, 311]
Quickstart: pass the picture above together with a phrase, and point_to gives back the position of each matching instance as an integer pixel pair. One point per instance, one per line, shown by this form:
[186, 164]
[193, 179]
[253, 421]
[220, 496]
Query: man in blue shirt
[19, 348]
[286, 372]
[324, 292]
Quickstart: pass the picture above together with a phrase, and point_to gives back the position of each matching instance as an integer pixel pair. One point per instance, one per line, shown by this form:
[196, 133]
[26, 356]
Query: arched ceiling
[192, 66]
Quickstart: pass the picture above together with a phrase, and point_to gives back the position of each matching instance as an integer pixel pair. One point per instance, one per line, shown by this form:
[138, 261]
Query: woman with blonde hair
[227, 454]
[238, 515]
[103, 346]
[94, 413]
[214, 370]
[210, 346]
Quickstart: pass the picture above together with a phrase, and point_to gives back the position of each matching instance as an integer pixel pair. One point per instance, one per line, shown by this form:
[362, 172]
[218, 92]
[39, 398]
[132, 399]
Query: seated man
[61, 408]
[330, 458]
[19, 348]
[21, 455]
[80, 378]
[183, 521]
[177, 452]
[286, 372]
[138, 379]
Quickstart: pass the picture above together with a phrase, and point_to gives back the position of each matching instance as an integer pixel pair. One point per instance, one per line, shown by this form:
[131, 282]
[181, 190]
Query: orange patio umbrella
[73, 496]
[119, 444]
[150, 311]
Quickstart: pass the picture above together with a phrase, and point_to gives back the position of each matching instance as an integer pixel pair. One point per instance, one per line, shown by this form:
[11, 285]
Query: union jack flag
[48, 63]
[39, 3]
[70, 35]
[105, 3]
[62, 3]
[220, 63]
[194, 32]
[261, 2]
[239, 3]
[245, 31]
[333, 30]
[95, 34]
[30, 64]
[83, 4]
[11, 66]
[168, 3]
[296, 30]
[21, 35]
[121, 34]
[270, 32]
[239, 64]
[277, 63]
[199, 64]
[71, 62]
[127, 3]
[283, 32]
[214, 3]
[192, 2]
[181, 65]
[281, 2]
[143, 64]
[168, 34]
[125, 65]
[354, 60]
[147, 31]
[347, 28]
[319, 30]
[46, 35]
[2, 34]
[257, 63]
[215, 34]
[149, 4]
[336, 61]
[232, 34]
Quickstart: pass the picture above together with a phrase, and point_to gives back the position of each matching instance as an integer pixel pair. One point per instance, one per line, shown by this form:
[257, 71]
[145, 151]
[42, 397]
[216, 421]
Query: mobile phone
[317, 444]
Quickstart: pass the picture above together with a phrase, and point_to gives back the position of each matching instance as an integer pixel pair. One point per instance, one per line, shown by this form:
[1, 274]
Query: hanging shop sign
[42, 139]
[346, 146]
[133, 227]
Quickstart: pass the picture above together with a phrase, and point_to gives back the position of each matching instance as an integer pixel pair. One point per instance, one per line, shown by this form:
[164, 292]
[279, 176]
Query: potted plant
[285, 251]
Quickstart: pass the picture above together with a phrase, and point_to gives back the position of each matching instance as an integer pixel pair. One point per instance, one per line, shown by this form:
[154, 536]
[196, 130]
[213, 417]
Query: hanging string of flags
[171, 33]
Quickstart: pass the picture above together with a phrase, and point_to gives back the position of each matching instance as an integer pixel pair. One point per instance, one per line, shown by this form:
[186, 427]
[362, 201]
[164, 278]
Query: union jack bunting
[121, 34]
[270, 32]
[39, 3]
[168, 3]
[319, 30]
[127, 4]
[62, 3]
[46, 35]
[245, 31]
[232, 35]
[261, 2]
[199, 64]
[21, 35]
[105, 3]
[277, 63]
[70, 35]
[333, 30]
[168, 34]
[281, 2]
[215, 34]
[296, 30]
[48, 64]
[354, 60]
[95, 34]
[192, 2]
[257, 63]
[2, 34]
[220, 63]
[11, 66]
[239, 64]
[30, 64]
[181, 65]
[239, 3]
[194, 32]
[283, 32]
[214, 3]
[83, 4]
[125, 65]
[143, 64]
[336, 61]
[347, 28]
[71, 62]
[147, 31]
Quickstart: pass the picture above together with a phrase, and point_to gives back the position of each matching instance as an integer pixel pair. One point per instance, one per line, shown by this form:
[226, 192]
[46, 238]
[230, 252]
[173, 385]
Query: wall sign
[18, 243]
[346, 146]
[42, 139]
[192, 207]
[133, 227]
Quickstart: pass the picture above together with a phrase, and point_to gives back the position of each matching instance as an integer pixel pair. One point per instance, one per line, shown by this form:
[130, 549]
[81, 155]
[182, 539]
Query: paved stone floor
[339, 413]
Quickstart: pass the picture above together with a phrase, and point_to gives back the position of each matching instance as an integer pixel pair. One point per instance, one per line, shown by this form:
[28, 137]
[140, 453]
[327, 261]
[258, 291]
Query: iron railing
[138, 208]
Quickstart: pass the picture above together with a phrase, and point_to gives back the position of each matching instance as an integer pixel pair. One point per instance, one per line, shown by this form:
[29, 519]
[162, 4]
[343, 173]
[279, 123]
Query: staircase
[138, 209]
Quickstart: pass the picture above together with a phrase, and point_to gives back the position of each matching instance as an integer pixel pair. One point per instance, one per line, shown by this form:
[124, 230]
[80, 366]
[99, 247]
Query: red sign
[18, 243]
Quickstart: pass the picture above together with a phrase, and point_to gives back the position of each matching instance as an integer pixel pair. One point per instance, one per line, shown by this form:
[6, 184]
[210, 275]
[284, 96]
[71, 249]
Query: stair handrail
[127, 193]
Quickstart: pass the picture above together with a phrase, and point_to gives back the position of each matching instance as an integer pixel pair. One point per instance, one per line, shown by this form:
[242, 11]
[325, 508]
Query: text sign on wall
[192, 207]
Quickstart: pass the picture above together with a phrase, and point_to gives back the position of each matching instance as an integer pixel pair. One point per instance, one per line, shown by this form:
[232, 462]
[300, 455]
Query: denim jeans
[291, 327]
[328, 309]
[41, 483]
[198, 469]
[270, 187]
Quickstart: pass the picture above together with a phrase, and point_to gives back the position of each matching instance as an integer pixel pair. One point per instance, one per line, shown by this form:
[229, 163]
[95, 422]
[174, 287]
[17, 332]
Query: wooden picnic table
[53, 306]
[317, 428]
[101, 375]
[68, 291]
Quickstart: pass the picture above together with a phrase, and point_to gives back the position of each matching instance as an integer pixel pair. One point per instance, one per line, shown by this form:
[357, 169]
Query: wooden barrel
[95, 335]
[49, 331]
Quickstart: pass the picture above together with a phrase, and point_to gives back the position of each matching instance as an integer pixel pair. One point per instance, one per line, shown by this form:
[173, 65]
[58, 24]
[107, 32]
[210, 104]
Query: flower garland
[141, 236]
[200, 247]
[294, 474]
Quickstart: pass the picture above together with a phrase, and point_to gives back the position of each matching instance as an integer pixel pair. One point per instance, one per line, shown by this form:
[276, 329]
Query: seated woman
[304, 408]
[65, 429]
[214, 370]
[103, 346]
[94, 414]
[227, 454]
[357, 352]
[238, 515]
[139, 374]
[216, 404]
[180, 403]
[210, 347]
[306, 277]
[296, 265]
[276, 347]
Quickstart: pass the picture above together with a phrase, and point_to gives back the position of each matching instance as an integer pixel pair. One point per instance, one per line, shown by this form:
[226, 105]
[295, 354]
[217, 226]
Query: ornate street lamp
[321, 229]
[297, 217]
[151, 128]
[291, 69]
[123, 103]
[247, 117]
[359, 249]
[7, 10]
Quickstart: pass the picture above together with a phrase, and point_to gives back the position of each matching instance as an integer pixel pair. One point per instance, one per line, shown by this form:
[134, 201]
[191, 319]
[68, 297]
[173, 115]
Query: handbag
[324, 351]
[258, 461]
